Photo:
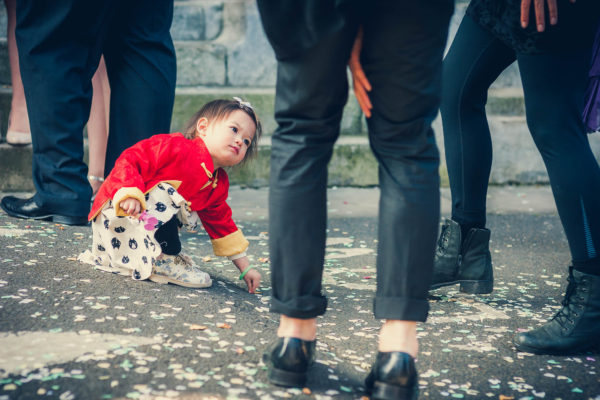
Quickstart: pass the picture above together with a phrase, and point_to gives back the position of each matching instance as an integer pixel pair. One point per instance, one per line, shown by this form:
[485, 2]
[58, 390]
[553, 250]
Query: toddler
[172, 179]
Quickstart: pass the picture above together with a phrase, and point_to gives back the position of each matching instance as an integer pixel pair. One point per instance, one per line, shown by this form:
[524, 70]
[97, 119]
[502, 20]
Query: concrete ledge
[516, 161]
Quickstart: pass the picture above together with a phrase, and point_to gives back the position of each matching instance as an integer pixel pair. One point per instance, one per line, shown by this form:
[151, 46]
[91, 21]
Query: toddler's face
[227, 139]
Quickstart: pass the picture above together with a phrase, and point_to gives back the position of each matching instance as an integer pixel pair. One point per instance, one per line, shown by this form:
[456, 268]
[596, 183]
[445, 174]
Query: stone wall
[222, 52]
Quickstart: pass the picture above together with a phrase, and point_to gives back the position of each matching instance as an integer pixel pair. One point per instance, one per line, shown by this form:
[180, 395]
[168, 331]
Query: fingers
[131, 207]
[525, 5]
[553, 12]
[539, 15]
[360, 82]
[252, 281]
[363, 99]
[361, 86]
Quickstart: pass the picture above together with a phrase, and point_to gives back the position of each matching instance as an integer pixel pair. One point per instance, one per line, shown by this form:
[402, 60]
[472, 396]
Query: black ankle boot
[288, 360]
[575, 327]
[393, 376]
[469, 264]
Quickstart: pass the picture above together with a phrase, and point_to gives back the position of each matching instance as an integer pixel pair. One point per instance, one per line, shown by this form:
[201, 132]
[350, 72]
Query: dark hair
[216, 110]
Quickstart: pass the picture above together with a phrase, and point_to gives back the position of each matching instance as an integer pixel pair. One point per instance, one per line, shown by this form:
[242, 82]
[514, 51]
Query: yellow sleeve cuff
[127, 193]
[229, 245]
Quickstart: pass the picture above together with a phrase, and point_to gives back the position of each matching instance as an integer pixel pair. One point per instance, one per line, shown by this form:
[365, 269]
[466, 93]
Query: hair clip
[244, 103]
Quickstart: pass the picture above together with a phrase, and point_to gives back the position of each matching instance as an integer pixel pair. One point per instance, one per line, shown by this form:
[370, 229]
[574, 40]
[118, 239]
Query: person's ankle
[396, 335]
[305, 329]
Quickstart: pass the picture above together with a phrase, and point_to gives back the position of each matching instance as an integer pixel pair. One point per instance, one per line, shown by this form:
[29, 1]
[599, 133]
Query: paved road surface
[70, 332]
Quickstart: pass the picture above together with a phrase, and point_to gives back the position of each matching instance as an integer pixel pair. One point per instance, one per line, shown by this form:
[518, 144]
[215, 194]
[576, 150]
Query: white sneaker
[179, 270]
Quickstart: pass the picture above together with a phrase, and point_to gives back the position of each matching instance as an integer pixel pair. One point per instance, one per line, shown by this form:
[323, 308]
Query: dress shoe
[575, 327]
[28, 209]
[467, 262]
[288, 360]
[393, 376]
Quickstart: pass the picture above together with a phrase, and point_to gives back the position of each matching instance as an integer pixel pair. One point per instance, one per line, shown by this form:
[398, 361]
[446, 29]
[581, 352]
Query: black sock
[466, 227]
[590, 267]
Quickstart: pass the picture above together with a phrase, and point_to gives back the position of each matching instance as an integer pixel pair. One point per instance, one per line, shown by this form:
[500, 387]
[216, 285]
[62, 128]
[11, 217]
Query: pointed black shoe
[288, 360]
[28, 209]
[393, 376]
[575, 327]
[469, 265]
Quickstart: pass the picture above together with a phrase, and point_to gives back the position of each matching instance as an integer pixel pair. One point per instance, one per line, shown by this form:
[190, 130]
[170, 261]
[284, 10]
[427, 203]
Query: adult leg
[554, 85]
[59, 50]
[402, 54]
[141, 66]
[403, 62]
[554, 119]
[311, 92]
[474, 61]
[18, 132]
[97, 126]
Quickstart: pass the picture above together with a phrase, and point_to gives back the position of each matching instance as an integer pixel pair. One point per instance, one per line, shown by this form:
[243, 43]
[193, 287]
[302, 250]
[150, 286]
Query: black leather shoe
[393, 376]
[575, 327]
[28, 209]
[467, 262]
[288, 360]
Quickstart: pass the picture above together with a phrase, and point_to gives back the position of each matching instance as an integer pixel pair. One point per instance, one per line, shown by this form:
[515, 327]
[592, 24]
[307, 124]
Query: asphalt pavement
[68, 331]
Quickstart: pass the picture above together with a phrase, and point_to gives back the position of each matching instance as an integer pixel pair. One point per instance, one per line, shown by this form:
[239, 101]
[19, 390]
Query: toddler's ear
[201, 126]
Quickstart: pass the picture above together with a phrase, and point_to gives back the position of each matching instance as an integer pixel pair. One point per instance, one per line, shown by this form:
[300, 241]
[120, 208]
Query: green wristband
[243, 274]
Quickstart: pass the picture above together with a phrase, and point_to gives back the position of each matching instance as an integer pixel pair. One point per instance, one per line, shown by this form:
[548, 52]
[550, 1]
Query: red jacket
[187, 165]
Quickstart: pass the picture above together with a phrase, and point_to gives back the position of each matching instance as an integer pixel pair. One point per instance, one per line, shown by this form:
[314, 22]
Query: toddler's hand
[252, 279]
[131, 206]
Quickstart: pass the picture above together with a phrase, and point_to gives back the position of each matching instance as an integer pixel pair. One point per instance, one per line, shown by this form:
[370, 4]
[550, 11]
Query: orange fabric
[172, 157]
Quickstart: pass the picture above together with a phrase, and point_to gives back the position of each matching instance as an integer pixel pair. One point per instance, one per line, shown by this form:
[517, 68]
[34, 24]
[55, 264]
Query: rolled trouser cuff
[304, 307]
[400, 308]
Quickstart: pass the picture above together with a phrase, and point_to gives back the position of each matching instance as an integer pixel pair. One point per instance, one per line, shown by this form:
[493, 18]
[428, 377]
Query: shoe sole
[284, 378]
[570, 352]
[469, 287]
[385, 391]
[165, 280]
[59, 219]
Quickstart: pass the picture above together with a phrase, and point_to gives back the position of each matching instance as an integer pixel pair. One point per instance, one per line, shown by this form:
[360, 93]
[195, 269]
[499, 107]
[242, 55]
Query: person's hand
[359, 79]
[252, 279]
[540, 18]
[131, 206]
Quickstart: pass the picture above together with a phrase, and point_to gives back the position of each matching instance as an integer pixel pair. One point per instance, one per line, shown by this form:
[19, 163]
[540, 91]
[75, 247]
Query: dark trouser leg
[168, 237]
[141, 67]
[311, 92]
[402, 58]
[59, 49]
[554, 85]
[474, 61]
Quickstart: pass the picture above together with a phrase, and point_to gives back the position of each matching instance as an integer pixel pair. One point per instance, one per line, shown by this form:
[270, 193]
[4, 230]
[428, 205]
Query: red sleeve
[217, 217]
[134, 167]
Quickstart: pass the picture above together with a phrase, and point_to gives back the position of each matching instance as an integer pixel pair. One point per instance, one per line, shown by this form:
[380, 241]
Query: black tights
[554, 86]
[168, 237]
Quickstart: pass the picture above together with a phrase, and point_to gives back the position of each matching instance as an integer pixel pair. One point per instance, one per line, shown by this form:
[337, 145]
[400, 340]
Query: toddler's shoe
[179, 270]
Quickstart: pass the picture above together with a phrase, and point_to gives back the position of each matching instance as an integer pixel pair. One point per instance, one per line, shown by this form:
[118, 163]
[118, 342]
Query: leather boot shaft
[468, 262]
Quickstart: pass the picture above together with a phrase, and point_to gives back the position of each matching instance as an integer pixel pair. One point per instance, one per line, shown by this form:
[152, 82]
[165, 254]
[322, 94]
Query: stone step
[501, 102]
[516, 160]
